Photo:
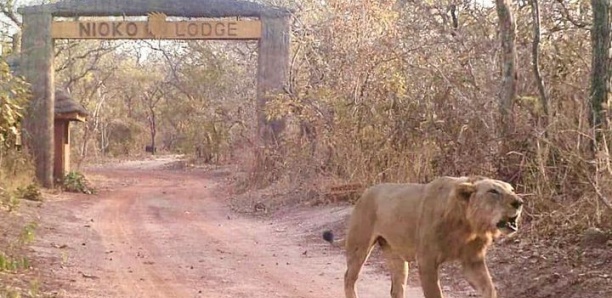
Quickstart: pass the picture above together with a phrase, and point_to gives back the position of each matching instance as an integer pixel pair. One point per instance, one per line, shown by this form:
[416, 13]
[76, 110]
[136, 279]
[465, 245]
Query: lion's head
[492, 205]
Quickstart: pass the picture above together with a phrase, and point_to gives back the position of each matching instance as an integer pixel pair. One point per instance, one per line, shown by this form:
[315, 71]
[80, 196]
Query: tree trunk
[153, 132]
[507, 32]
[600, 40]
[535, 52]
[152, 126]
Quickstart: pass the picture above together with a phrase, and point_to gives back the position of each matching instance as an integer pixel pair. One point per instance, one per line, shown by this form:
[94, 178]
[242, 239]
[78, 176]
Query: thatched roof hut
[177, 8]
[68, 109]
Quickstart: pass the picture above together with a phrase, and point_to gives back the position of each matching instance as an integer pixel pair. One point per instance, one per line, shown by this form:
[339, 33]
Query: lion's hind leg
[357, 252]
[398, 268]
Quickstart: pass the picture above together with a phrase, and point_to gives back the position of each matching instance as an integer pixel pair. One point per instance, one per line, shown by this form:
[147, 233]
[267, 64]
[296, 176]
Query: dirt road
[151, 232]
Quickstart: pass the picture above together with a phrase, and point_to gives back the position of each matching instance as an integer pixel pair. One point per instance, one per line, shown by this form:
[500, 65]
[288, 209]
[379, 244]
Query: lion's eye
[494, 191]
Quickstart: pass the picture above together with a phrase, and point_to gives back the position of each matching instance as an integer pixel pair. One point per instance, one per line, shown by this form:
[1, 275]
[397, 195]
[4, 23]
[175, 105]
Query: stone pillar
[272, 71]
[37, 67]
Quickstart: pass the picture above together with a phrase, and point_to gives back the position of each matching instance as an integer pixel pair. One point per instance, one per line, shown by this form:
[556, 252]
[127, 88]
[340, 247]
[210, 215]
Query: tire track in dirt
[223, 240]
[120, 222]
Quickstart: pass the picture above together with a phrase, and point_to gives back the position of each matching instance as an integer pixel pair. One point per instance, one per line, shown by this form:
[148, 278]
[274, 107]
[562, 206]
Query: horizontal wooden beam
[72, 116]
[178, 8]
[157, 29]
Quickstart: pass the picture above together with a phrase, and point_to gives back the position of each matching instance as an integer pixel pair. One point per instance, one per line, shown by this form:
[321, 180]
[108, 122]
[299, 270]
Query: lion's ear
[465, 190]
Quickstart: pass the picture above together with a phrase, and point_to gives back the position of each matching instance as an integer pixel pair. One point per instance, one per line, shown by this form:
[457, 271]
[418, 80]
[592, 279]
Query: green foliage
[9, 264]
[27, 234]
[14, 263]
[8, 200]
[122, 137]
[13, 99]
[30, 192]
[15, 166]
[76, 182]
[207, 139]
[16, 172]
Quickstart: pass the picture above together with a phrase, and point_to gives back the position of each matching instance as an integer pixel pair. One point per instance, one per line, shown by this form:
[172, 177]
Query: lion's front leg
[477, 274]
[428, 272]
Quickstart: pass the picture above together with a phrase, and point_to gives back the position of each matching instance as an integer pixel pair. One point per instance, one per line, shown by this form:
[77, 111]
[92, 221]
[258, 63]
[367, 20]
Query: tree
[13, 99]
[150, 99]
[535, 60]
[7, 8]
[507, 35]
[600, 63]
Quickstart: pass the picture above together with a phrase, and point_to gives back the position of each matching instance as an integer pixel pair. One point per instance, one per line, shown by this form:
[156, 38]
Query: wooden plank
[346, 188]
[59, 162]
[72, 116]
[160, 29]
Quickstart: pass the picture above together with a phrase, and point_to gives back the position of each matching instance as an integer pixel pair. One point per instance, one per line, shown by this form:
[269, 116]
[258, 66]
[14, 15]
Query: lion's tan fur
[450, 218]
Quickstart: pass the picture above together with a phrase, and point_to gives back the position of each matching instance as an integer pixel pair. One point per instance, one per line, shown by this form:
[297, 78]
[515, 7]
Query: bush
[30, 193]
[15, 165]
[389, 112]
[13, 98]
[76, 182]
[8, 263]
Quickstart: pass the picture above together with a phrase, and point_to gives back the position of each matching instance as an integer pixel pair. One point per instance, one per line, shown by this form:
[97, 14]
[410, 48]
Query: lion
[447, 219]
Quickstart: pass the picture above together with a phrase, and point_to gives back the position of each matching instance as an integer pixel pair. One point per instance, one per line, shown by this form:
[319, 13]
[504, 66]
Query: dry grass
[16, 181]
[16, 172]
[566, 184]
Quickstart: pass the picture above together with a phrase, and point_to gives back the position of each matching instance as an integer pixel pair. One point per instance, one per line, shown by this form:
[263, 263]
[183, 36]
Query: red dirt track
[155, 232]
[157, 229]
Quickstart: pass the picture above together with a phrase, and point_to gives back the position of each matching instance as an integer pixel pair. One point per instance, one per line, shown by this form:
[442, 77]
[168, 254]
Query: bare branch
[7, 8]
[566, 14]
[600, 195]
[93, 66]
[455, 18]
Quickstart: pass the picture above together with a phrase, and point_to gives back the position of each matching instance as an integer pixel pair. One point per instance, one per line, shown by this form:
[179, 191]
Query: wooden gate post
[37, 67]
[272, 70]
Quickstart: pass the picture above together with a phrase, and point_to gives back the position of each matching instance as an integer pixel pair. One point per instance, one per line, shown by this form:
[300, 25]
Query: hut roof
[64, 104]
[176, 8]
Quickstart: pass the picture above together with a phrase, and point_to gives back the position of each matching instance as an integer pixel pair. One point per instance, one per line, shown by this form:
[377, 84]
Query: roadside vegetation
[16, 184]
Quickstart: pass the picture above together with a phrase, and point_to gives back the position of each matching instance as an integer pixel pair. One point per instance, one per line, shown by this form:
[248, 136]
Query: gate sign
[156, 28]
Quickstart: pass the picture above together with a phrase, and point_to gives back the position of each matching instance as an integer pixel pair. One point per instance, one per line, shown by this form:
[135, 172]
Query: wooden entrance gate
[252, 21]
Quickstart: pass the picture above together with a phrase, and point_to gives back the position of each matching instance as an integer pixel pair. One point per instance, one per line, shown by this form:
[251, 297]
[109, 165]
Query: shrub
[76, 182]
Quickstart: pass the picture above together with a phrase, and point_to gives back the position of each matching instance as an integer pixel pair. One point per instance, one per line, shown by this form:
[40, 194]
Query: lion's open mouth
[510, 224]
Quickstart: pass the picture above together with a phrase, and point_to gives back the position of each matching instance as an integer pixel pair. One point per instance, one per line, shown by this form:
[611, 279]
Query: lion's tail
[329, 236]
